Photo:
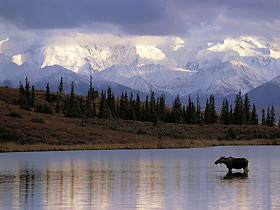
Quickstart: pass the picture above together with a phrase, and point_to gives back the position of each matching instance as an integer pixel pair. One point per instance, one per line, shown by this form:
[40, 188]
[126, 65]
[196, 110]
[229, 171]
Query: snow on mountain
[221, 68]
[93, 57]
[144, 77]
[275, 51]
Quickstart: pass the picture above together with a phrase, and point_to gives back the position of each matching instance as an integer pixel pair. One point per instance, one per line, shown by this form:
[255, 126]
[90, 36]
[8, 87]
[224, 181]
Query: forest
[129, 107]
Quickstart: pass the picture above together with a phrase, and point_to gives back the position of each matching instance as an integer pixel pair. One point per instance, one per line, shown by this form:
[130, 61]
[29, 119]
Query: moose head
[221, 160]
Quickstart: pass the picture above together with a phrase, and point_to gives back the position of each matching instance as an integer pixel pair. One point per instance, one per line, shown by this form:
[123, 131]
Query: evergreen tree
[225, 116]
[231, 117]
[72, 106]
[152, 110]
[212, 110]
[72, 95]
[131, 107]
[270, 121]
[268, 118]
[126, 107]
[21, 98]
[272, 115]
[162, 108]
[198, 110]
[27, 90]
[58, 103]
[92, 94]
[61, 86]
[254, 116]
[137, 108]
[263, 117]
[145, 109]
[190, 116]
[238, 110]
[102, 105]
[48, 94]
[246, 110]
[176, 111]
[111, 102]
[23, 101]
[207, 113]
[32, 102]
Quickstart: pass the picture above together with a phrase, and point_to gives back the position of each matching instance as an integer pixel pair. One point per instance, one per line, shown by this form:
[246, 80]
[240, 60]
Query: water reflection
[168, 179]
[236, 175]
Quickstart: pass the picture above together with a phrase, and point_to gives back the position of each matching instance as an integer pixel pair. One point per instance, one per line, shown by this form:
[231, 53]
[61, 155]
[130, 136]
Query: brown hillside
[22, 130]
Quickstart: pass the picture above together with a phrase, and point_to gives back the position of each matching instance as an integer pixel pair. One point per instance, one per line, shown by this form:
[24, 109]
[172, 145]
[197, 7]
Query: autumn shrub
[8, 135]
[38, 120]
[16, 114]
[43, 108]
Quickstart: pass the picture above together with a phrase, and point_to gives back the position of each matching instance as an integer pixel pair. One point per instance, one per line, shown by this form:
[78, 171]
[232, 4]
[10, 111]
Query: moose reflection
[236, 163]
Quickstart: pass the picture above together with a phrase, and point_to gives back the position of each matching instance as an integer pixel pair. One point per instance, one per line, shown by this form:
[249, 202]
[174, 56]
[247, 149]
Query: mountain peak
[242, 46]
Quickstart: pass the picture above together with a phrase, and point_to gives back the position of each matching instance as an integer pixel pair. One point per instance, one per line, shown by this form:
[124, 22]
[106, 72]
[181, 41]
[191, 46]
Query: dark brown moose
[236, 163]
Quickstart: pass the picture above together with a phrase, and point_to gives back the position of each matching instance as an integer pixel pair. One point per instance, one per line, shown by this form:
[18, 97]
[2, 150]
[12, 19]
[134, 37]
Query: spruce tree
[268, 117]
[238, 110]
[198, 110]
[246, 110]
[102, 105]
[48, 94]
[231, 117]
[263, 117]
[191, 115]
[225, 113]
[61, 86]
[58, 103]
[212, 110]
[92, 94]
[131, 107]
[152, 110]
[27, 90]
[111, 102]
[72, 95]
[207, 113]
[254, 116]
[137, 108]
[176, 111]
[272, 117]
[162, 108]
[21, 98]
[32, 102]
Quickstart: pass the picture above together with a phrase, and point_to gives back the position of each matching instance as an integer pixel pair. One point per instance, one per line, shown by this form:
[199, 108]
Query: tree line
[129, 107]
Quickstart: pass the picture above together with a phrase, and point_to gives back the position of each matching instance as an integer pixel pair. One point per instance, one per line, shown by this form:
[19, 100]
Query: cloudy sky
[193, 20]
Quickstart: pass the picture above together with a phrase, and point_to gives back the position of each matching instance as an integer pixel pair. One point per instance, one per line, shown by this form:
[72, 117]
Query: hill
[27, 130]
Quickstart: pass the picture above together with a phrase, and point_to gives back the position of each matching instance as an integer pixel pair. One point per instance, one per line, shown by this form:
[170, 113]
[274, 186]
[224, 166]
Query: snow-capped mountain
[222, 68]
[93, 57]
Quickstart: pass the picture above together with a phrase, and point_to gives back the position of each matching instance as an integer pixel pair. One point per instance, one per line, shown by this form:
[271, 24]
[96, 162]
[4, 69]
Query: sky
[196, 21]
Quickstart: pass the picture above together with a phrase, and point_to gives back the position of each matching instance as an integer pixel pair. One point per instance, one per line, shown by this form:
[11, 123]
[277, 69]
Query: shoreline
[11, 147]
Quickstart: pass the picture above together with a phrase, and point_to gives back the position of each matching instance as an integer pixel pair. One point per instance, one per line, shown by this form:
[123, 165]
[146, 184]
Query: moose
[236, 163]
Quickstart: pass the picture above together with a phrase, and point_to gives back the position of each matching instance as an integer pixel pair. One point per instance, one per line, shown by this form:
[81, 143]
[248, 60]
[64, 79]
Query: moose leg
[245, 170]
[229, 170]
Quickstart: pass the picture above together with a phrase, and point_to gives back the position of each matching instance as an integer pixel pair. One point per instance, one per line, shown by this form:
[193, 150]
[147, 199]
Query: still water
[139, 179]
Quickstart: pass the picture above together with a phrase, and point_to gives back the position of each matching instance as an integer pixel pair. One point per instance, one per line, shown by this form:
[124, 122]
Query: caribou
[236, 163]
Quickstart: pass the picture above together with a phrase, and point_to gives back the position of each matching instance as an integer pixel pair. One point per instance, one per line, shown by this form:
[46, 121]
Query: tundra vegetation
[43, 120]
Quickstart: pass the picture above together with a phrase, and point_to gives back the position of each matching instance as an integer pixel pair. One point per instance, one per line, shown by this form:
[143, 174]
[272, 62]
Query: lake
[140, 179]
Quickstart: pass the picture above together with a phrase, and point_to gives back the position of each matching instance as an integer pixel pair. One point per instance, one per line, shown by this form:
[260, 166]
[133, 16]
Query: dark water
[139, 179]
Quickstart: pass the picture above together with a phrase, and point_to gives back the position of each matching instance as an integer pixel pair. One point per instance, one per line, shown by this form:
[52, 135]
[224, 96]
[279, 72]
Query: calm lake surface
[140, 179]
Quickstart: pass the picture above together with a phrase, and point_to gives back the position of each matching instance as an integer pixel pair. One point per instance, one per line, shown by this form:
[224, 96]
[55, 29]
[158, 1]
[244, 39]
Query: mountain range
[248, 64]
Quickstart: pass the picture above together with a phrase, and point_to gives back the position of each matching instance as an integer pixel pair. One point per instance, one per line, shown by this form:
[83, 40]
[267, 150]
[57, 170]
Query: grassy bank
[14, 147]
[23, 130]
